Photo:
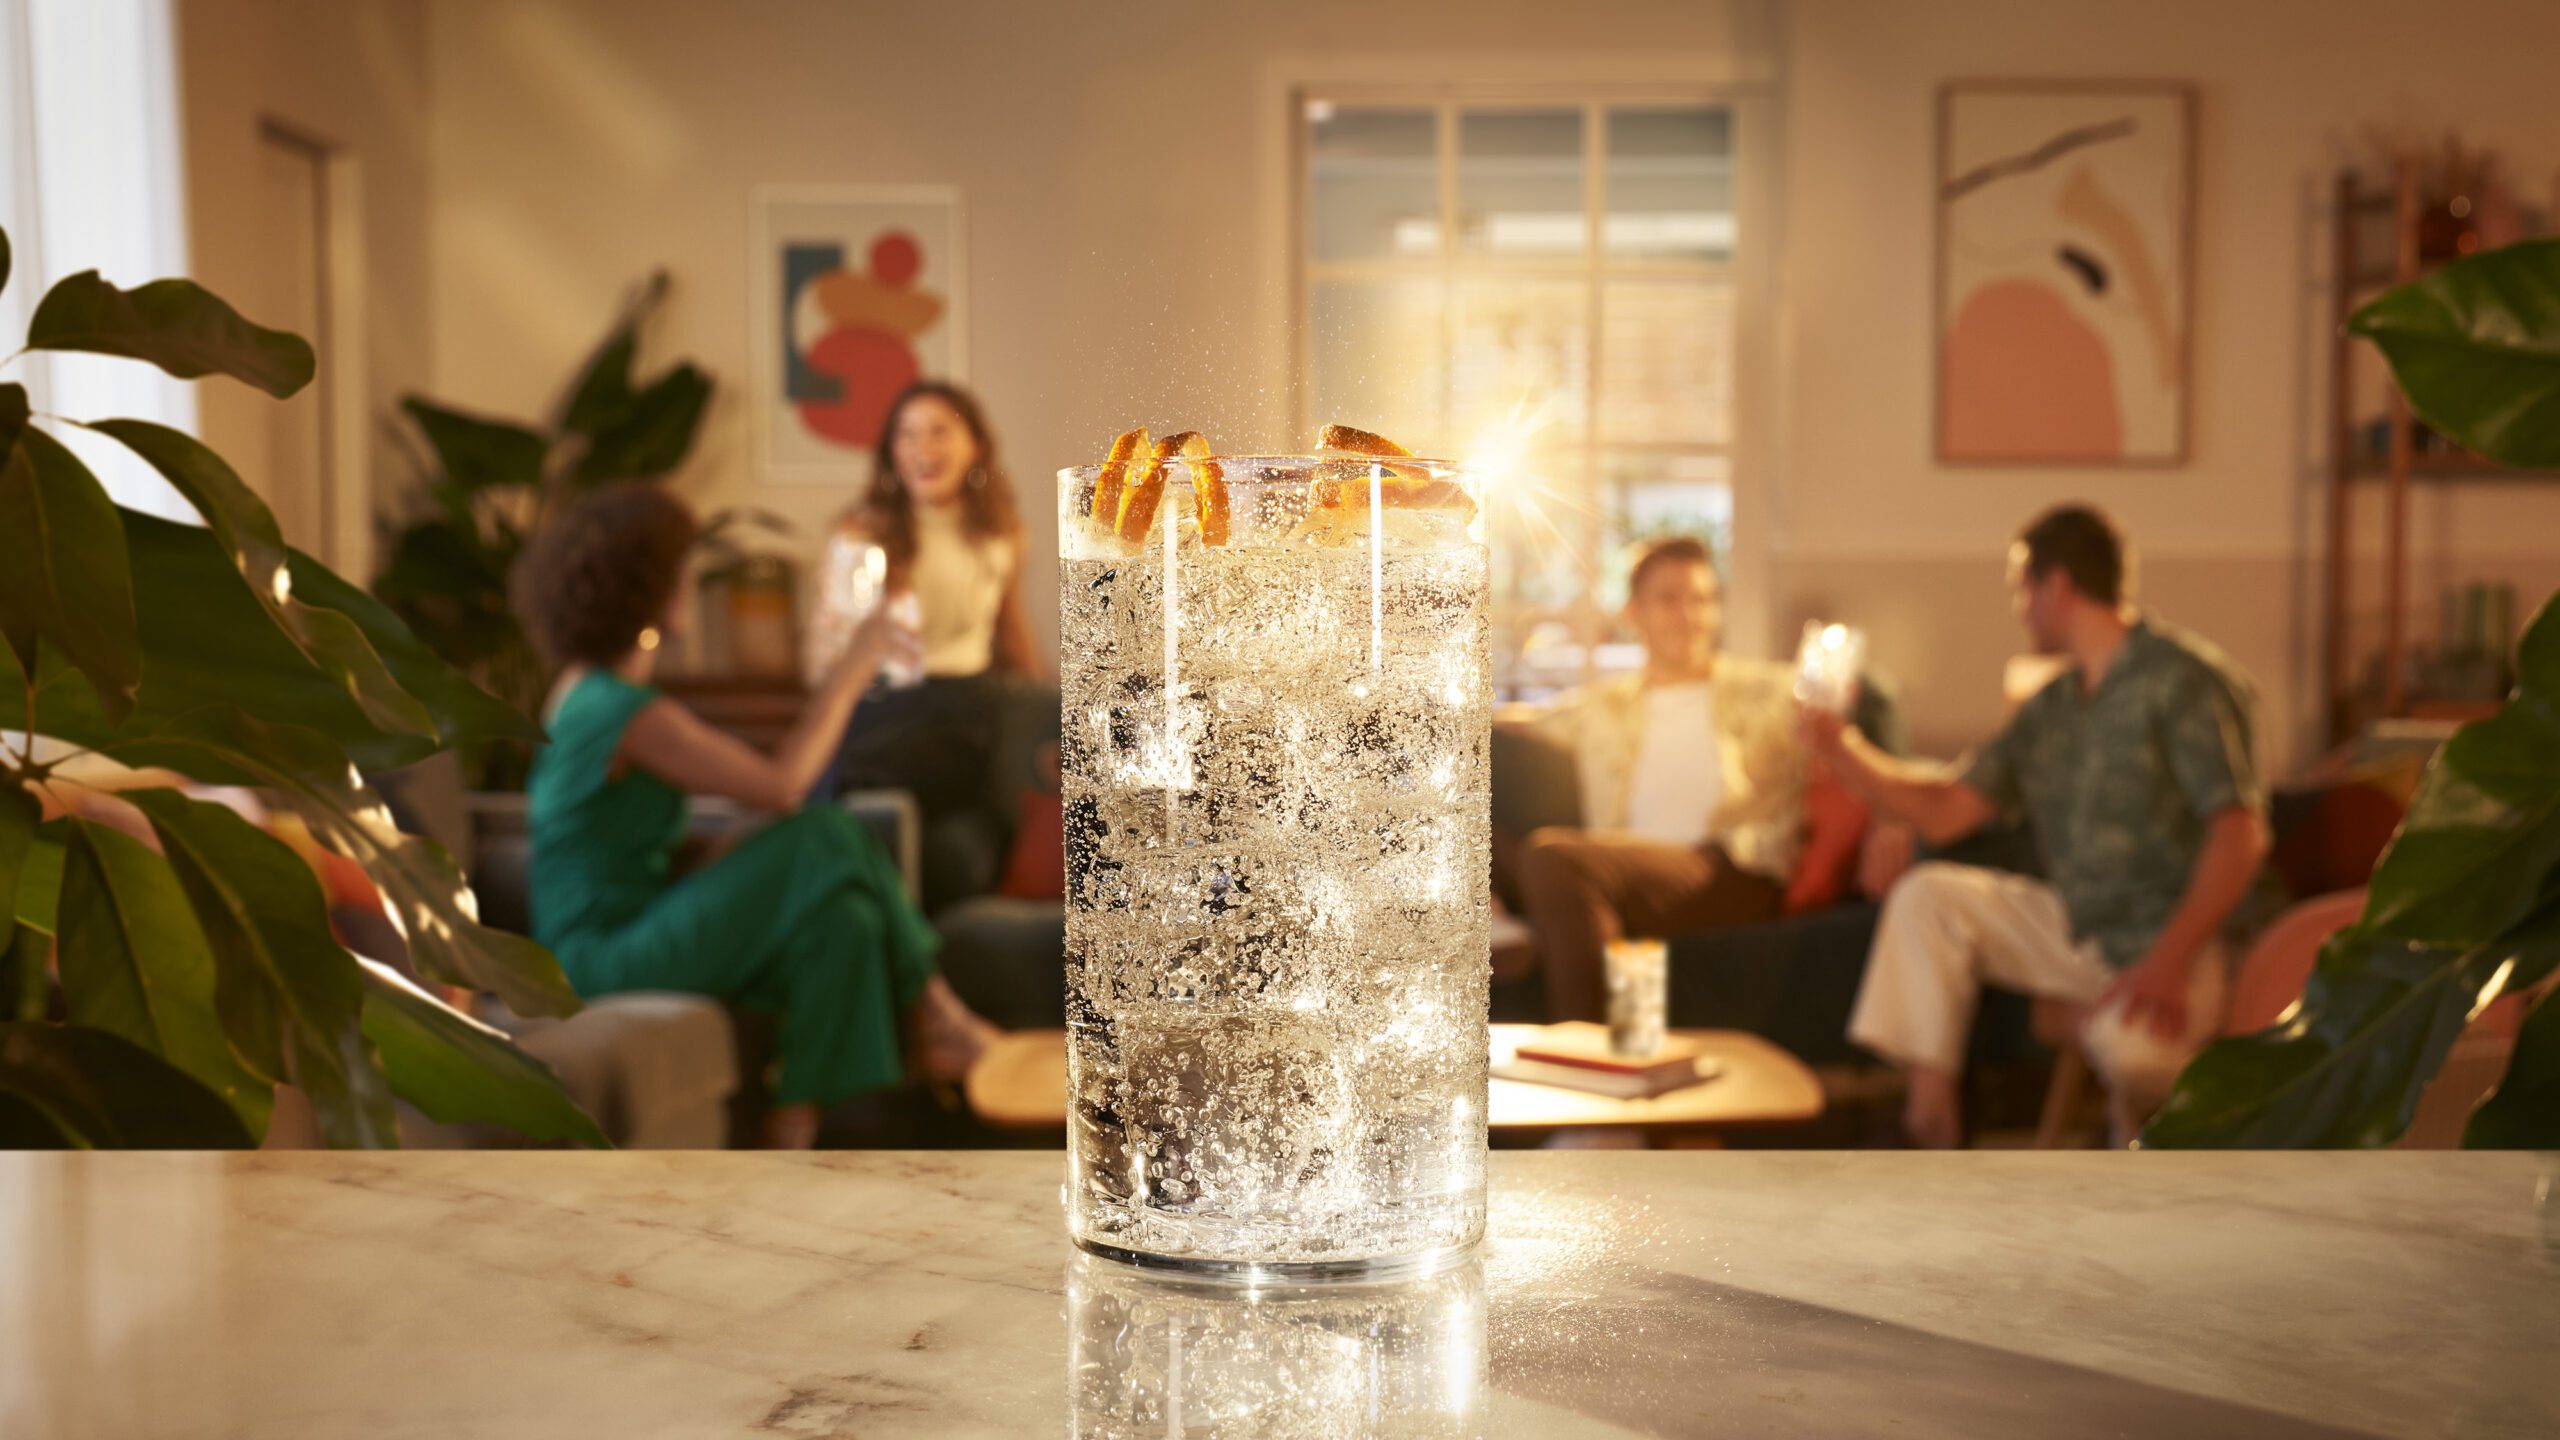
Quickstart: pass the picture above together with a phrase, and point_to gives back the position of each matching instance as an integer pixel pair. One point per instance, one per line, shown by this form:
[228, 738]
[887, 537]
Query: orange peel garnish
[1108, 485]
[1411, 487]
[1129, 489]
[1138, 501]
[1358, 442]
[1209, 498]
[1143, 492]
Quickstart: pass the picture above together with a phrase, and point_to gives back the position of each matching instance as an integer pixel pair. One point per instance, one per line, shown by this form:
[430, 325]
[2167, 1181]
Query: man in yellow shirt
[1692, 777]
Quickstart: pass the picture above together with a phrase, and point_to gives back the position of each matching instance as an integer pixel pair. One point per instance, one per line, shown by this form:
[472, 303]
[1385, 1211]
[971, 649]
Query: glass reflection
[1170, 1360]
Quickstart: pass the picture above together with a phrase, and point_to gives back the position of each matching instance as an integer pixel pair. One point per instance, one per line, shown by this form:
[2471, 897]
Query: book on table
[1576, 1056]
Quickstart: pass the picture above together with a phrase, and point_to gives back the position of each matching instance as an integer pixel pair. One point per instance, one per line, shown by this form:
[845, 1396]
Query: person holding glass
[937, 531]
[806, 917]
[2138, 766]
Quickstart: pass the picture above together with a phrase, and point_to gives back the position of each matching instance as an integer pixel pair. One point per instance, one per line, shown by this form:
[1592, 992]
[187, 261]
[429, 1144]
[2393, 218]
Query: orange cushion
[1835, 824]
[1037, 869]
[2280, 961]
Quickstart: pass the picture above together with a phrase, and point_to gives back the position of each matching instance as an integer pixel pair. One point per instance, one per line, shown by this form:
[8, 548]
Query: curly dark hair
[987, 507]
[601, 572]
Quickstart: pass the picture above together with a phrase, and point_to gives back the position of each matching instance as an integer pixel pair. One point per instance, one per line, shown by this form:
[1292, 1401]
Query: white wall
[351, 74]
[1121, 168]
[2289, 90]
[1117, 161]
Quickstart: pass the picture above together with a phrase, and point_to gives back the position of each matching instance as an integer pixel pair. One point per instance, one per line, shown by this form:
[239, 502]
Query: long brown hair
[987, 508]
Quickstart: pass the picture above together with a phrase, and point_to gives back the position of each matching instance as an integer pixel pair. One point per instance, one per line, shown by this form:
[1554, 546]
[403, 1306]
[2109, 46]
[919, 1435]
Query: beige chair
[2270, 979]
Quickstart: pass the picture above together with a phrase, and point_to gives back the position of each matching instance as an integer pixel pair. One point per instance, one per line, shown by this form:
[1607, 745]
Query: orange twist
[1209, 498]
[1107, 486]
[1402, 487]
[1138, 501]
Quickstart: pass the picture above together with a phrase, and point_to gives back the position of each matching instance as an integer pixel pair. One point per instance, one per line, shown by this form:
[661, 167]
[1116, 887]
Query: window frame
[1590, 615]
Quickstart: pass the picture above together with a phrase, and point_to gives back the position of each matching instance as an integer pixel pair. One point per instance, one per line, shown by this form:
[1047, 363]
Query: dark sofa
[1790, 980]
[1003, 955]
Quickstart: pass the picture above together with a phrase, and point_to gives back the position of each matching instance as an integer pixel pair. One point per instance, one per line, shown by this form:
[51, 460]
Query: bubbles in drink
[1275, 770]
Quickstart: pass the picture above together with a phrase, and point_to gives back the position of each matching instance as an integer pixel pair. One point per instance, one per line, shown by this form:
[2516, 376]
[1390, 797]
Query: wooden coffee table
[1021, 1084]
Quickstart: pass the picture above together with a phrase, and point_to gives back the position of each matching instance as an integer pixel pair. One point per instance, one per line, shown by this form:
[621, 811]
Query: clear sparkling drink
[1274, 752]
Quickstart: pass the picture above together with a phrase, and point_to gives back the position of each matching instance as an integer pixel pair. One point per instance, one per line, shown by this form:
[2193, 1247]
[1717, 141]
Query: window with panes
[1549, 279]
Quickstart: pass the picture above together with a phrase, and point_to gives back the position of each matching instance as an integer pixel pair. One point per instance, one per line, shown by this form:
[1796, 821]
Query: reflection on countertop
[890, 1294]
[1150, 1357]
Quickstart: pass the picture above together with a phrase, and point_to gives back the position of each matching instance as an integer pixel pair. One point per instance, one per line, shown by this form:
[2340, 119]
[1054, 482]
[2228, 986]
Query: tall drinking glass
[1275, 730]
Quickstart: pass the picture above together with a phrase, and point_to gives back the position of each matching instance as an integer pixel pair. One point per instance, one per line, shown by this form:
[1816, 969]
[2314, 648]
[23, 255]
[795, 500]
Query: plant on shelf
[484, 485]
[168, 963]
[2464, 908]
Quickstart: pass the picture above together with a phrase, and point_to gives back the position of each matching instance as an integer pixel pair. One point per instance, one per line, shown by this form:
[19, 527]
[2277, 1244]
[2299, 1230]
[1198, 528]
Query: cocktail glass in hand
[1828, 664]
[853, 574]
[1274, 749]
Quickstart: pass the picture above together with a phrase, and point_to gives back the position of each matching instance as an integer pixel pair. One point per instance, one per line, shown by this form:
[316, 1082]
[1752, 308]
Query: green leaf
[40, 882]
[283, 985]
[26, 977]
[2460, 911]
[22, 956]
[604, 387]
[425, 889]
[652, 434]
[459, 1071]
[13, 417]
[2523, 1113]
[205, 641]
[2346, 1066]
[134, 963]
[177, 325]
[2482, 837]
[248, 533]
[102, 1091]
[19, 814]
[450, 586]
[4, 259]
[604, 382]
[479, 454]
[465, 714]
[2476, 345]
[65, 576]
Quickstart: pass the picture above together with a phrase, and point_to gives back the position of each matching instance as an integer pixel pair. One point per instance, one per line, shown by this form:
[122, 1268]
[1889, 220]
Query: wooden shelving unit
[2401, 466]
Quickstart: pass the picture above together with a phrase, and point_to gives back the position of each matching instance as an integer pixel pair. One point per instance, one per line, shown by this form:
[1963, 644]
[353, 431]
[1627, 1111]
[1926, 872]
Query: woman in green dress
[806, 917]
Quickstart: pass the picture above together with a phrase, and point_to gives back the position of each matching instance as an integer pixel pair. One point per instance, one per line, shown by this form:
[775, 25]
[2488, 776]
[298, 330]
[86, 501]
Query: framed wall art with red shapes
[857, 291]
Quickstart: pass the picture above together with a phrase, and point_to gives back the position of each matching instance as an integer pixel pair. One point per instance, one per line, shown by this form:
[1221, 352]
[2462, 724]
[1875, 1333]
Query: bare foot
[791, 1127]
[1931, 1114]
[949, 1035]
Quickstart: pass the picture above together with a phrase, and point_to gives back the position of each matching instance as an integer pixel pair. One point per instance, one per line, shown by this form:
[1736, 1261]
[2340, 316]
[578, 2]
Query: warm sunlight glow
[1500, 455]
[1523, 502]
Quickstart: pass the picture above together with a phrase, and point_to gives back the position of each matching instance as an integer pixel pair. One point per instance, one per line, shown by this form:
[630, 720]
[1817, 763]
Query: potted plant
[2464, 907]
[485, 484]
[164, 980]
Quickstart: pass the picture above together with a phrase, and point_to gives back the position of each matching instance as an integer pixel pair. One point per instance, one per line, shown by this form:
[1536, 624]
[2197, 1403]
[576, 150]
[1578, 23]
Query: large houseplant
[2464, 907]
[195, 962]
[484, 485]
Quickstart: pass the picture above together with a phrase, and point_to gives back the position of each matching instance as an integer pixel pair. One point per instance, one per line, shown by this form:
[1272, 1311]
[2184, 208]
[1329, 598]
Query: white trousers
[1948, 930]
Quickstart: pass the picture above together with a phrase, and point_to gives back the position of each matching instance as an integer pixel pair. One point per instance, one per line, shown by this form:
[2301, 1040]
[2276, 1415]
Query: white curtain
[91, 179]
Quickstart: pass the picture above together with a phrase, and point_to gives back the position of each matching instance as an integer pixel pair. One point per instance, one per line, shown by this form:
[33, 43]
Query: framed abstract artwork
[856, 291]
[2066, 219]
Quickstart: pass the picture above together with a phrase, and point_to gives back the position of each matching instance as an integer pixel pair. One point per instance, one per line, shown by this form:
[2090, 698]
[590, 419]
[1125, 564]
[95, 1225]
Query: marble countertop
[934, 1294]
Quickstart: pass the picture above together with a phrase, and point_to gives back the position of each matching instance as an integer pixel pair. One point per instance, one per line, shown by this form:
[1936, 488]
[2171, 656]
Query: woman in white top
[942, 513]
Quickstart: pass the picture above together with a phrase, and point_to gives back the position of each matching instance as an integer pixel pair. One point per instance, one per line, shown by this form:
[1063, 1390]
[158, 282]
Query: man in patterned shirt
[2138, 767]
